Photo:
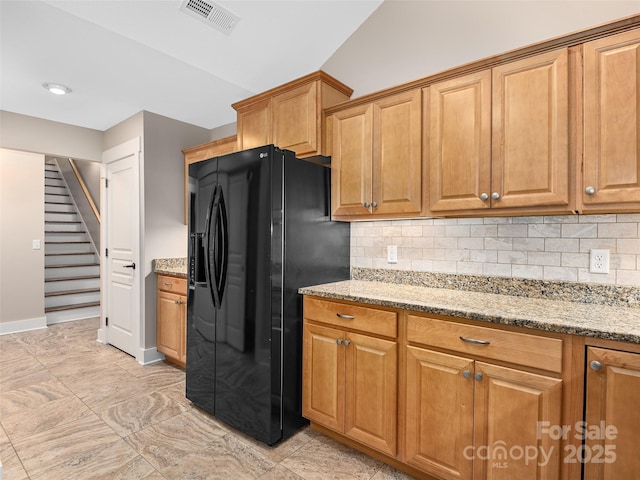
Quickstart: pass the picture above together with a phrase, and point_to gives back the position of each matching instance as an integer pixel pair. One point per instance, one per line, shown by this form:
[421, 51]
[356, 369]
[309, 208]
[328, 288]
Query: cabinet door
[170, 324]
[397, 154]
[254, 125]
[613, 396]
[439, 413]
[371, 391]
[612, 121]
[351, 167]
[323, 376]
[296, 119]
[530, 145]
[509, 407]
[459, 113]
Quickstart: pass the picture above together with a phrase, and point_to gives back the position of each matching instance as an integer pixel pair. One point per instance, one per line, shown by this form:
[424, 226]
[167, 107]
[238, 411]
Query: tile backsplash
[539, 248]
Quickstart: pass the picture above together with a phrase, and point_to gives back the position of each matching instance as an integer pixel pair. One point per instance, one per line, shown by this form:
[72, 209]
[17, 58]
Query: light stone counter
[171, 266]
[593, 320]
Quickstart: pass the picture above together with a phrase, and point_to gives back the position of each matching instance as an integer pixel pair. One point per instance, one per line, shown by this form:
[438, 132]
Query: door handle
[132, 265]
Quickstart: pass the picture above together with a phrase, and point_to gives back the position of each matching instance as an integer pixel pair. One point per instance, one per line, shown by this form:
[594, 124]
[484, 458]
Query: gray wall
[21, 222]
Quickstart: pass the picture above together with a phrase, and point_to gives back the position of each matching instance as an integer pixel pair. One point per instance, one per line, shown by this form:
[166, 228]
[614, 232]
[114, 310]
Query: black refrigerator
[259, 229]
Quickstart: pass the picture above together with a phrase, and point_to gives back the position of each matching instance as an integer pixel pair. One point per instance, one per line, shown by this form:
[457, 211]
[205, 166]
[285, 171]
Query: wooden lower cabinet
[350, 384]
[171, 318]
[472, 420]
[612, 419]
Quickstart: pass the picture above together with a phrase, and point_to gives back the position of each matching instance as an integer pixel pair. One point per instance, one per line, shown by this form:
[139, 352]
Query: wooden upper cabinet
[255, 125]
[459, 115]
[611, 180]
[499, 138]
[290, 116]
[351, 162]
[376, 163]
[612, 398]
[530, 144]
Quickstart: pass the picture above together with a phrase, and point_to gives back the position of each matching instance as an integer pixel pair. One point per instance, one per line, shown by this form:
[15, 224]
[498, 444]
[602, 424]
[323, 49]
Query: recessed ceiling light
[56, 88]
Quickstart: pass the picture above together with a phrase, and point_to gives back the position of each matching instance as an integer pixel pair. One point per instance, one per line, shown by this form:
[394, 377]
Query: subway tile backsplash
[538, 248]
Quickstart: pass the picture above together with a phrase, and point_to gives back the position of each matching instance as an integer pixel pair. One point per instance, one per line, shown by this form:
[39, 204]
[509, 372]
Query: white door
[121, 248]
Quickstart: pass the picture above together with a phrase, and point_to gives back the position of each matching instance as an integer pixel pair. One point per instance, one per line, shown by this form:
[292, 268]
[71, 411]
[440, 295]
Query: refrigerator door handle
[223, 238]
[210, 242]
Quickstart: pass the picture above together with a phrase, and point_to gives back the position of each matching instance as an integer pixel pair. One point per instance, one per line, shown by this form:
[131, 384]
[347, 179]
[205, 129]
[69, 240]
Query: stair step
[64, 258]
[71, 292]
[70, 307]
[80, 282]
[66, 279]
[55, 222]
[73, 265]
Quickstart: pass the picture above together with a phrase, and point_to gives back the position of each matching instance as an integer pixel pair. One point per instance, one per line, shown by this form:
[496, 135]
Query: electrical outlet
[599, 261]
[392, 254]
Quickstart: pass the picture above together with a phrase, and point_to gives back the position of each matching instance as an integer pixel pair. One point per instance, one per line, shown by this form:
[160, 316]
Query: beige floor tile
[31, 397]
[11, 466]
[75, 442]
[140, 412]
[116, 460]
[53, 414]
[324, 458]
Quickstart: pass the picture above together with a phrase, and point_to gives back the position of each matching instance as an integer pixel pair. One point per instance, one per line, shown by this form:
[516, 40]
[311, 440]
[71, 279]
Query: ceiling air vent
[212, 14]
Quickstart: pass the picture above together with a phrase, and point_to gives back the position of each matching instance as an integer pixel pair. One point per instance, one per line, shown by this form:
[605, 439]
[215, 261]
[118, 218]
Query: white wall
[21, 222]
[541, 248]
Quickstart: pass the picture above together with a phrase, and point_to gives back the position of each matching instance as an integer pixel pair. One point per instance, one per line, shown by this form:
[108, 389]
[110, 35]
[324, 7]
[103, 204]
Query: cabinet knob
[484, 196]
[366, 204]
[590, 190]
[374, 204]
[495, 195]
[595, 365]
[346, 343]
[178, 302]
[339, 341]
[466, 373]
[478, 377]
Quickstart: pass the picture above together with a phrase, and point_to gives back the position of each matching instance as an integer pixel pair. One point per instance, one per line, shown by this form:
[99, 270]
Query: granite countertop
[171, 266]
[593, 320]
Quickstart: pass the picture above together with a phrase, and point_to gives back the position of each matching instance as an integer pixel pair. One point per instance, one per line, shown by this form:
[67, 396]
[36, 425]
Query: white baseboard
[23, 325]
[150, 355]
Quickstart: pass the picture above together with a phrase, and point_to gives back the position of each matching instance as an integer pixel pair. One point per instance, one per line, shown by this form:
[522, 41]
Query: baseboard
[150, 355]
[23, 325]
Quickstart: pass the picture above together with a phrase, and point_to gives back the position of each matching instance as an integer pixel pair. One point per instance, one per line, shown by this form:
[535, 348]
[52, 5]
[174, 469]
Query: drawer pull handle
[474, 341]
[167, 284]
[345, 317]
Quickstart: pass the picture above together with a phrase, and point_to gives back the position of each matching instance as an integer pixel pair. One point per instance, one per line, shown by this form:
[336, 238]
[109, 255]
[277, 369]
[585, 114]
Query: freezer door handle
[222, 233]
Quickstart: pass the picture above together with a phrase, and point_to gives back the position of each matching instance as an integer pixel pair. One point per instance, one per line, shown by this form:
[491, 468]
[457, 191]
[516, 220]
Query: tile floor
[72, 408]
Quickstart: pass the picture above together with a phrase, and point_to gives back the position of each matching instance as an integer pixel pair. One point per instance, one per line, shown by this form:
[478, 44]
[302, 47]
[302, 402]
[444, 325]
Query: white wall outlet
[598, 261]
[36, 245]
[392, 254]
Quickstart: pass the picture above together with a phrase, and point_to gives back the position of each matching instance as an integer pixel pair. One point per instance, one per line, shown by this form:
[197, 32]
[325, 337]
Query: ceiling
[121, 57]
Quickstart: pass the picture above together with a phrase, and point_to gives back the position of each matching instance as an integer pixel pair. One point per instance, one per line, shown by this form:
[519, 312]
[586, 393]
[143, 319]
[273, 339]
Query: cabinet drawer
[369, 320]
[171, 284]
[517, 348]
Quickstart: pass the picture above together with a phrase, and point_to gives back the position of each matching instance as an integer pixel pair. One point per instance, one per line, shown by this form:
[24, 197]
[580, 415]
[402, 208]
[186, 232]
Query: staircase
[72, 268]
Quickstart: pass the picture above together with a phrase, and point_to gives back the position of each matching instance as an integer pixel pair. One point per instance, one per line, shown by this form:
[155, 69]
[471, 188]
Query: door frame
[133, 148]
